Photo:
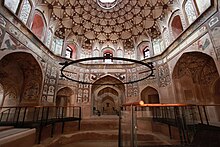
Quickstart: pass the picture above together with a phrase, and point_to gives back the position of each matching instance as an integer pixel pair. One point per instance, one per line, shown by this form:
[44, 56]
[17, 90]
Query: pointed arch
[175, 24]
[150, 95]
[38, 26]
[106, 99]
[25, 81]
[71, 51]
[25, 11]
[12, 5]
[144, 50]
[193, 75]
[108, 53]
[194, 8]
[63, 96]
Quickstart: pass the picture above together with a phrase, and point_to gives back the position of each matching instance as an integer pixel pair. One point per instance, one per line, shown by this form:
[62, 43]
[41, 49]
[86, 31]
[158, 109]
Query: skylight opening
[107, 4]
[107, 1]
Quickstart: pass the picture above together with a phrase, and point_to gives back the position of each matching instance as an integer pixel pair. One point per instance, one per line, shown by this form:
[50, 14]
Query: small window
[108, 57]
[12, 5]
[25, 11]
[194, 8]
[69, 52]
[158, 46]
[57, 46]
[203, 5]
[190, 11]
[146, 52]
[166, 37]
[49, 38]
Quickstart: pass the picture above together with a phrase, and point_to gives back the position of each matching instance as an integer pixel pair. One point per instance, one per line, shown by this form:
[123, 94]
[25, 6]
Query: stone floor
[92, 143]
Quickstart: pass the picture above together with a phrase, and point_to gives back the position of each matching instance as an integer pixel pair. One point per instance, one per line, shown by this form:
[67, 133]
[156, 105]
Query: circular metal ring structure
[148, 65]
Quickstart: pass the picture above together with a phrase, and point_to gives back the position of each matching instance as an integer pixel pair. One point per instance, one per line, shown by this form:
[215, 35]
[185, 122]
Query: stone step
[3, 128]
[94, 143]
[99, 125]
[17, 137]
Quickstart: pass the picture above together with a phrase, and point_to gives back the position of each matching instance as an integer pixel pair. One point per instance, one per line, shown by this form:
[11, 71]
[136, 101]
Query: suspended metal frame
[149, 65]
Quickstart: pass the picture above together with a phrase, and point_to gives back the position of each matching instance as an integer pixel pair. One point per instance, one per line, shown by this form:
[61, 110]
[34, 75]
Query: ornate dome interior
[113, 21]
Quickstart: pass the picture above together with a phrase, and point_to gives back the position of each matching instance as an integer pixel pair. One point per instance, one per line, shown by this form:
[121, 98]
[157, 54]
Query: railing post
[1, 116]
[42, 115]
[34, 114]
[178, 123]
[41, 126]
[132, 126]
[170, 132]
[47, 115]
[200, 116]
[18, 116]
[80, 113]
[184, 127]
[25, 110]
[8, 115]
[119, 129]
[38, 112]
[63, 123]
[52, 130]
[206, 117]
[15, 114]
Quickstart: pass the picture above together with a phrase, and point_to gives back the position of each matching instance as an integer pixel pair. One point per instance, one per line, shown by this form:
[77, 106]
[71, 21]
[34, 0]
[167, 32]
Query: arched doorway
[21, 76]
[107, 98]
[63, 99]
[64, 96]
[150, 96]
[194, 77]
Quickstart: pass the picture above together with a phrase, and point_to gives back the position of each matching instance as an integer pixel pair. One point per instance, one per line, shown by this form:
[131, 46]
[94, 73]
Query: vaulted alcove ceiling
[108, 21]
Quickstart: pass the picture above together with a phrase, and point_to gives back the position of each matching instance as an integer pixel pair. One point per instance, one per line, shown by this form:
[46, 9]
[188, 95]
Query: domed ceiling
[108, 20]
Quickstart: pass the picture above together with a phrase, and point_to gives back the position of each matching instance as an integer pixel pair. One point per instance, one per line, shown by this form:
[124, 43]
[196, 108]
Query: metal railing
[184, 117]
[39, 116]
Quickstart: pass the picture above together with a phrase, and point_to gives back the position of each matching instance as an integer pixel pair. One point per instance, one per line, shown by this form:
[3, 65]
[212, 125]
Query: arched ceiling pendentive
[113, 20]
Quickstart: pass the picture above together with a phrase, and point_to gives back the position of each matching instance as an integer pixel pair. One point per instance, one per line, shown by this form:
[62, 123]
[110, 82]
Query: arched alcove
[38, 25]
[176, 26]
[22, 78]
[63, 99]
[63, 96]
[107, 98]
[194, 78]
[150, 95]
